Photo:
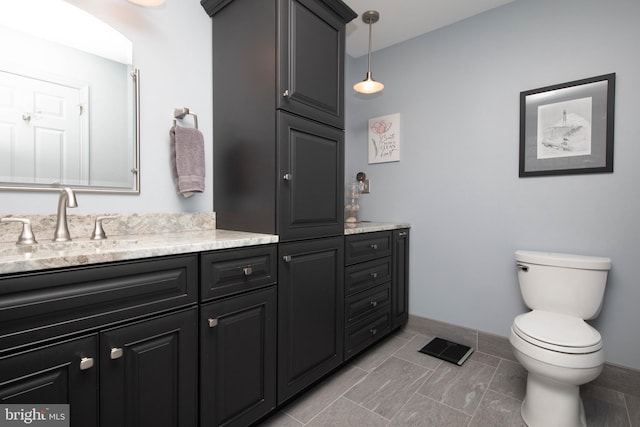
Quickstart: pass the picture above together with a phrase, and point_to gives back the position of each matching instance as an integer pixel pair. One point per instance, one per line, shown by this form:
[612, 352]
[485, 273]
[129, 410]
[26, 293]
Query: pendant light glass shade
[147, 3]
[368, 85]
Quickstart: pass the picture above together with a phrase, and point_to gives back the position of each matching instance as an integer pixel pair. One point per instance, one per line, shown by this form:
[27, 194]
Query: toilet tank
[562, 283]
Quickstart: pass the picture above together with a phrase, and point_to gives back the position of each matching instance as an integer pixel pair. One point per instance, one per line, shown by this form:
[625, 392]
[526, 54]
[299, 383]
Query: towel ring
[180, 113]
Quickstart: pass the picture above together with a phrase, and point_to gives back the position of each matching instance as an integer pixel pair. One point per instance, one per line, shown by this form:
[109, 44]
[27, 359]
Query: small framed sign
[384, 139]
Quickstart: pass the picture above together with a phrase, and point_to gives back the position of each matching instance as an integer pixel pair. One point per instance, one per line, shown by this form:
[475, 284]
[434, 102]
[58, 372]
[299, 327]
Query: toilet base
[550, 403]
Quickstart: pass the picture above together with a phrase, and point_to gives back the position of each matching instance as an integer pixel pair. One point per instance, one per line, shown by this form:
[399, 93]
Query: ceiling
[402, 20]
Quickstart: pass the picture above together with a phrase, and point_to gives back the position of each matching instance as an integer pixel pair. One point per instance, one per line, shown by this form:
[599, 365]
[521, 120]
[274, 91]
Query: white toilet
[559, 350]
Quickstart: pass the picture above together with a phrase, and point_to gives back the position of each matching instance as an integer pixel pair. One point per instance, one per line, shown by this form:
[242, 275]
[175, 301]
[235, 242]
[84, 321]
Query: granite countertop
[371, 226]
[134, 237]
[118, 248]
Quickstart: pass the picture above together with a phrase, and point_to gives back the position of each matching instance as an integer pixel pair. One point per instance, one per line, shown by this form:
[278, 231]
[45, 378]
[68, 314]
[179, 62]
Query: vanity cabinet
[278, 101]
[149, 372]
[238, 322]
[376, 287]
[58, 373]
[117, 342]
[400, 297]
[310, 312]
[368, 289]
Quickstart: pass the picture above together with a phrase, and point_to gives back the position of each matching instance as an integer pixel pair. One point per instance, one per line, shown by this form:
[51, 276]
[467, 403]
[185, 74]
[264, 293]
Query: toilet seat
[557, 332]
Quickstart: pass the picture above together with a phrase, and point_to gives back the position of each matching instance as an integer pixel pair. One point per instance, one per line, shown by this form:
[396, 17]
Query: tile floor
[393, 384]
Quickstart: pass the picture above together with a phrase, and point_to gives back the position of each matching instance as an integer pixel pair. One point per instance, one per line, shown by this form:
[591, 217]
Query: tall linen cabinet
[278, 124]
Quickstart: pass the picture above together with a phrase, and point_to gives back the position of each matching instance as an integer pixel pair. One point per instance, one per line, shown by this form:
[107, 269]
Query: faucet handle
[98, 230]
[26, 235]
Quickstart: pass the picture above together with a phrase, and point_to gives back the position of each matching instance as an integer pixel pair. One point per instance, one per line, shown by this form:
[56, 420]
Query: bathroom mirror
[69, 101]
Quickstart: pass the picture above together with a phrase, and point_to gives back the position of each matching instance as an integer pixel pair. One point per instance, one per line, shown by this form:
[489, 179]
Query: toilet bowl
[559, 350]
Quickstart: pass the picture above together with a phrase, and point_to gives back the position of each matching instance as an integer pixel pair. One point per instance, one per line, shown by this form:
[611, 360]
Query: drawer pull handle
[374, 275]
[212, 323]
[86, 363]
[374, 246]
[373, 331]
[247, 271]
[116, 353]
[373, 303]
[286, 258]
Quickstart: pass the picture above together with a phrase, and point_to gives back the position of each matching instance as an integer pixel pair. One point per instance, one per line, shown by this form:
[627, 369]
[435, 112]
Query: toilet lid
[557, 332]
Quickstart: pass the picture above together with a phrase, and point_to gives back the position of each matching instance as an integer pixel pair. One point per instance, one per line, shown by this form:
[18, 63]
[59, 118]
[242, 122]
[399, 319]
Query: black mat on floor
[447, 350]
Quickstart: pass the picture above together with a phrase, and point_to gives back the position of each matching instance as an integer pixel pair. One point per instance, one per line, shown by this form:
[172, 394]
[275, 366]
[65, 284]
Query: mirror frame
[135, 75]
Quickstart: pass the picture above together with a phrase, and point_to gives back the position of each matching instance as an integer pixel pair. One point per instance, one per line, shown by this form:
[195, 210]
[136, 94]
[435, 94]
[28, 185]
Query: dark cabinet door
[310, 312]
[148, 372]
[400, 284]
[311, 70]
[62, 373]
[238, 358]
[311, 176]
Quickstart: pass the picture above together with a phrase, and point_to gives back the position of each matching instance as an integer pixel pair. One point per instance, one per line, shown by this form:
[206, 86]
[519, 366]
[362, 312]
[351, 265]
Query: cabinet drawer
[34, 307]
[367, 275]
[365, 303]
[230, 272]
[364, 333]
[367, 246]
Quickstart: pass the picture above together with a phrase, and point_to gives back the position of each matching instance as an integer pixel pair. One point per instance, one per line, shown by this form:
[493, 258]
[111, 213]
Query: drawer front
[364, 333]
[230, 272]
[36, 307]
[366, 303]
[367, 275]
[367, 246]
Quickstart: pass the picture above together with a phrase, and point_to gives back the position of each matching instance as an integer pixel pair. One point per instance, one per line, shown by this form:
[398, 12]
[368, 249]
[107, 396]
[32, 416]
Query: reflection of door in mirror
[42, 123]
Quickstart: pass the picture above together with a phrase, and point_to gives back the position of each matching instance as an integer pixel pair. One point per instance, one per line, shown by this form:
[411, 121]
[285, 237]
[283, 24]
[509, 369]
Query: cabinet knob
[212, 323]
[247, 271]
[373, 303]
[286, 258]
[86, 363]
[403, 234]
[374, 275]
[373, 331]
[286, 93]
[116, 353]
[374, 246]
[287, 177]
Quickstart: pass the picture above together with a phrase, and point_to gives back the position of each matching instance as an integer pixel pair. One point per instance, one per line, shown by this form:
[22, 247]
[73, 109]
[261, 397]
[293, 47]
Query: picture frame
[384, 139]
[568, 128]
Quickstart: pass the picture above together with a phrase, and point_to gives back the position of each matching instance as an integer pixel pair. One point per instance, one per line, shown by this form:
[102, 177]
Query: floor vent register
[447, 350]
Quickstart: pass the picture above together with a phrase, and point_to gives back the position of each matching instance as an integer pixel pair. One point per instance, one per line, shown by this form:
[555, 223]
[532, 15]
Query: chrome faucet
[67, 200]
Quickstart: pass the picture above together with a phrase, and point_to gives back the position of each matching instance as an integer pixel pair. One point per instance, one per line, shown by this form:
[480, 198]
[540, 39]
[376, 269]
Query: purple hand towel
[187, 159]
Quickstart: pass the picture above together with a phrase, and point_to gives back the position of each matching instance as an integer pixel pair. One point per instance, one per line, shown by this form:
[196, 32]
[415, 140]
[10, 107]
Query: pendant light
[368, 85]
[147, 3]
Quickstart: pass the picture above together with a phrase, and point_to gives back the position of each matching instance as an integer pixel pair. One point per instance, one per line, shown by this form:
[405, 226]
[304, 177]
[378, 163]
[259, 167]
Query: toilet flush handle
[522, 267]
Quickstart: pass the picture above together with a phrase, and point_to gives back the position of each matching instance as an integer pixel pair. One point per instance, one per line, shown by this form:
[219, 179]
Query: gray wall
[457, 90]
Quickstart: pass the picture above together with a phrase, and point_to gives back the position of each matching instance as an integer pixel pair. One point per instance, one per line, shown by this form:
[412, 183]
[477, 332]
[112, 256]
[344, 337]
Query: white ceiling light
[368, 85]
[147, 3]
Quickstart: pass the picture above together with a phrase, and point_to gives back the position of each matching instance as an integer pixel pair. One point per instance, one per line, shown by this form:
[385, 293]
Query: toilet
[559, 350]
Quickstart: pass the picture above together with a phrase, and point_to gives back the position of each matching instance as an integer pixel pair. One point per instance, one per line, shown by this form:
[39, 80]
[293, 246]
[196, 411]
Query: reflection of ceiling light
[61, 22]
[147, 3]
[368, 85]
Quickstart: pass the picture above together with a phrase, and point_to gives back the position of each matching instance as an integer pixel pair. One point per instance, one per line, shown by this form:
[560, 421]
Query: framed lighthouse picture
[568, 128]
